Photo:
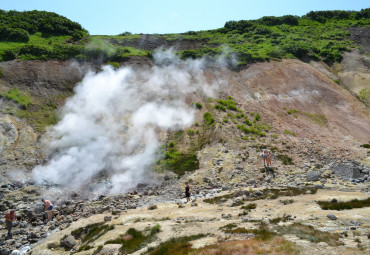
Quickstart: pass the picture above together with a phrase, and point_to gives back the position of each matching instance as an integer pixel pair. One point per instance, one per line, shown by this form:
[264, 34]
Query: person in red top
[48, 208]
[9, 218]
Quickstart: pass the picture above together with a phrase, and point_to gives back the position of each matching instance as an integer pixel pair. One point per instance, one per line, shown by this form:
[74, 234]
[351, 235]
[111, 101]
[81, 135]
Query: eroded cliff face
[325, 111]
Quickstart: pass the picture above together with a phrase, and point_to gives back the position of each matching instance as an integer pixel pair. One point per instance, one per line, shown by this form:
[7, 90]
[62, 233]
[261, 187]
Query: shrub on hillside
[19, 25]
[8, 55]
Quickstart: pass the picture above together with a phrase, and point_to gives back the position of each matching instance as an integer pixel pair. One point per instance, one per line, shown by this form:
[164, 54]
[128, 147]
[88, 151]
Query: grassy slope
[257, 41]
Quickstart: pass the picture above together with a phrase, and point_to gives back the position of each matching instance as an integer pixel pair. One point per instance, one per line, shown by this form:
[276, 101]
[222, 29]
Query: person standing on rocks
[264, 156]
[269, 158]
[9, 218]
[48, 208]
[187, 192]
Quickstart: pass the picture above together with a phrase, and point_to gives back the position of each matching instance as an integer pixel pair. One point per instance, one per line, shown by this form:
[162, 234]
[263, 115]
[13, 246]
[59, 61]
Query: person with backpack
[9, 218]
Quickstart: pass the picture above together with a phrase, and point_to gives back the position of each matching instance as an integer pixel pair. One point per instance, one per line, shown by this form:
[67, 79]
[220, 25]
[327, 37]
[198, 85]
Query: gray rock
[107, 218]
[355, 223]
[226, 216]
[152, 207]
[52, 245]
[313, 176]
[69, 242]
[347, 171]
[332, 216]
[23, 224]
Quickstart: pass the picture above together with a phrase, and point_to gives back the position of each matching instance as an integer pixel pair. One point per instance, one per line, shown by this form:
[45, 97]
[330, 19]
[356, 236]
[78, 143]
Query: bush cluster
[17, 26]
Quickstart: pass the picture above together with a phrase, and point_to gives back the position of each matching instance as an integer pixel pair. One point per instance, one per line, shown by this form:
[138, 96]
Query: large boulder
[68, 242]
[313, 176]
[347, 171]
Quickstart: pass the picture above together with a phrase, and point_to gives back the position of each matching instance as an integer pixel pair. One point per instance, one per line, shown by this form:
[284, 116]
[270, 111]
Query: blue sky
[111, 17]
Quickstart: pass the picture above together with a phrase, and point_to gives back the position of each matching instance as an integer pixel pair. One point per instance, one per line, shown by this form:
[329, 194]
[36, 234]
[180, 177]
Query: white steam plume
[111, 124]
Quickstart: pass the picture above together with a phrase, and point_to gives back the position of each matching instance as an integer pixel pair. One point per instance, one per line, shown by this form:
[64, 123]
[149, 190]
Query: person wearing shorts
[264, 156]
[48, 208]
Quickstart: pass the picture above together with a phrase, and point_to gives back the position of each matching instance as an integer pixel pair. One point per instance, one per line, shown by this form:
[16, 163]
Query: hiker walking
[187, 191]
[48, 208]
[264, 156]
[9, 218]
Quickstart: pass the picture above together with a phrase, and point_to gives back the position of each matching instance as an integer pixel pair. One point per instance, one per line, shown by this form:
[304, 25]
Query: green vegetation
[266, 194]
[320, 35]
[286, 160]
[262, 233]
[199, 106]
[1, 73]
[364, 93]
[180, 162]
[287, 201]
[249, 207]
[318, 118]
[39, 116]
[190, 132]
[218, 199]
[251, 130]
[208, 119]
[90, 233]
[175, 246]
[366, 145]
[355, 203]
[292, 111]
[310, 234]
[276, 220]
[134, 240]
[17, 96]
[287, 132]
[18, 26]
[229, 104]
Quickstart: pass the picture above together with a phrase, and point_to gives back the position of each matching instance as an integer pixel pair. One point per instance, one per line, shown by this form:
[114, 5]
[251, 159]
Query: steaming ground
[110, 126]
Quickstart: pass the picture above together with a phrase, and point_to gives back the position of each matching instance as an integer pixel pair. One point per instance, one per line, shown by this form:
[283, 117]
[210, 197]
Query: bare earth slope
[320, 124]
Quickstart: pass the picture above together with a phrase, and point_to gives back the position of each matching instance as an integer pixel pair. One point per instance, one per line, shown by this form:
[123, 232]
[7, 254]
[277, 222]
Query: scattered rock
[331, 216]
[107, 218]
[152, 207]
[68, 242]
[313, 176]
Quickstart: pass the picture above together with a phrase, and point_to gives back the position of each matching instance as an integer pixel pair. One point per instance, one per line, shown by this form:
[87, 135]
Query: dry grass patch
[309, 233]
[276, 246]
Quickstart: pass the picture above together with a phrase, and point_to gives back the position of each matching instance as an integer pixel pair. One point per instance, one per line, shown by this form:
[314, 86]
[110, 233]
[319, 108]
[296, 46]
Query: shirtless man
[48, 208]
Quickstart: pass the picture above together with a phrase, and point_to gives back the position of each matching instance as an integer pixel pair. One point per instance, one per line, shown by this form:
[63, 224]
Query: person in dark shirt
[187, 191]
